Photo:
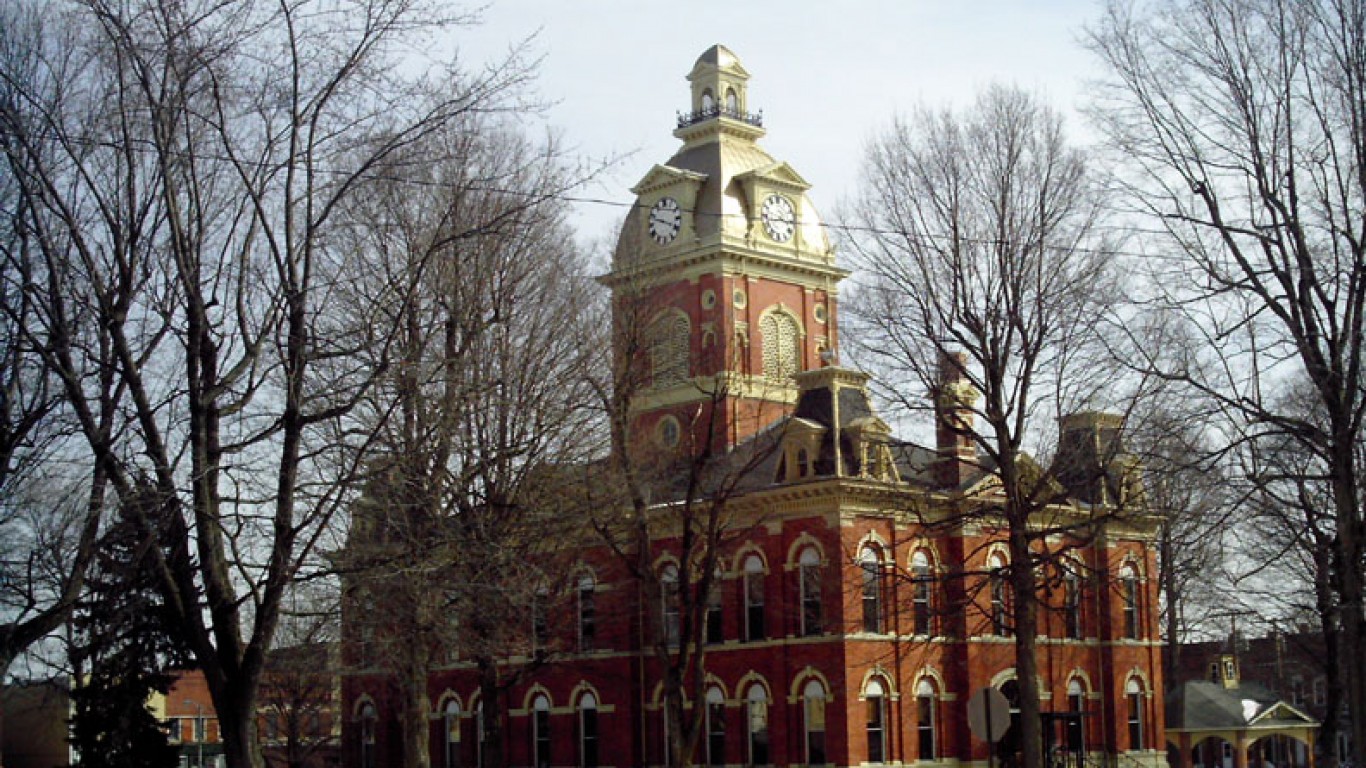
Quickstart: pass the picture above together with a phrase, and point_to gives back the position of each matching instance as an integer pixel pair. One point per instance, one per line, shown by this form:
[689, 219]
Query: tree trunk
[490, 697]
[240, 747]
[1350, 591]
[1026, 617]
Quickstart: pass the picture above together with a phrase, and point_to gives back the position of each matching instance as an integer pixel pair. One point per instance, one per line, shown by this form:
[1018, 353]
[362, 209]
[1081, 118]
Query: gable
[662, 176]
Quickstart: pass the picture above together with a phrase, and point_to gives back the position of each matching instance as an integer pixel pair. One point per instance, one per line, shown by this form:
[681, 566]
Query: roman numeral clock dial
[665, 220]
[780, 220]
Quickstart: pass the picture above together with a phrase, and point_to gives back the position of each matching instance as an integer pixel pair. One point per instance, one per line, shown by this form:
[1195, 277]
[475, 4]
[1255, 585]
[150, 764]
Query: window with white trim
[756, 724]
[809, 581]
[668, 609]
[1128, 593]
[540, 731]
[368, 718]
[588, 627]
[450, 734]
[716, 727]
[870, 566]
[922, 582]
[588, 731]
[876, 706]
[926, 720]
[1000, 608]
[1076, 728]
[754, 598]
[1133, 696]
[813, 722]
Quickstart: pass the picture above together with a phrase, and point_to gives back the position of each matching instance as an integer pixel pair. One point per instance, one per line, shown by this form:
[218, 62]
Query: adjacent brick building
[857, 612]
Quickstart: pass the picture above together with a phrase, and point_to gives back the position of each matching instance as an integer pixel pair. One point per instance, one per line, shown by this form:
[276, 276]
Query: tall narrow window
[809, 577]
[367, 735]
[1076, 729]
[479, 733]
[873, 696]
[668, 598]
[716, 727]
[540, 730]
[588, 731]
[1071, 604]
[588, 614]
[756, 719]
[871, 567]
[1133, 694]
[1128, 592]
[921, 584]
[450, 734]
[926, 720]
[813, 713]
[540, 623]
[1000, 623]
[715, 633]
[754, 598]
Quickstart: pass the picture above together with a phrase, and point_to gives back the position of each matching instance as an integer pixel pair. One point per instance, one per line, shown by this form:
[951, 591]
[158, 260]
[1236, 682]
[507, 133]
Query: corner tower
[723, 279]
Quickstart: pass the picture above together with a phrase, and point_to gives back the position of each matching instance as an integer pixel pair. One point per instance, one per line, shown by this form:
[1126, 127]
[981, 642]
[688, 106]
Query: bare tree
[458, 541]
[1242, 126]
[987, 283]
[182, 173]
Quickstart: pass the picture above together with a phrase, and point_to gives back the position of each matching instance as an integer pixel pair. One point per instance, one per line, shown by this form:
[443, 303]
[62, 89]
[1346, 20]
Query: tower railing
[686, 119]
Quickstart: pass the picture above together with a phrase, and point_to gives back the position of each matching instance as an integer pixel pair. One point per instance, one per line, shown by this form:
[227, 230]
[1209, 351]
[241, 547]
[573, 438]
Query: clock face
[665, 219]
[780, 221]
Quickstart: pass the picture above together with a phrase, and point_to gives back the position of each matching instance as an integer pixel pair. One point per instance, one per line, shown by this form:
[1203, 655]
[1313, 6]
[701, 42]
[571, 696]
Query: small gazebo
[1246, 716]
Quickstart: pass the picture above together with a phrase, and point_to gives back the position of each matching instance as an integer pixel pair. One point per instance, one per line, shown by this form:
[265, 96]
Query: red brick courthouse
[848, 629]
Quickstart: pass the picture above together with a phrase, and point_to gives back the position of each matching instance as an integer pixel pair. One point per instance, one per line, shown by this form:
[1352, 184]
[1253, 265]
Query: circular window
[708, 299]
[668, 431]
[819, 313]
[738, 298]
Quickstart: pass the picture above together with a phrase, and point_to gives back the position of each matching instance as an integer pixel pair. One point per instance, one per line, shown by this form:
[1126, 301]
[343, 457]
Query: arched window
[450, 734]
[732, 103]
[1128, 593]
[874, 695]
[540, 621]
[708, 101]
[588, 615]
[1000, 621]
[715, 609]
[754, 598]
[809, 578]
[669, 349]
[921, 584]
[716, 727]
[870, 566]
[1133, 695]
[1076, 705]
[781, 336]
[479, 733]
[1071, 603]
[588, 731]
[926, 720]
[368, 717]
[813, 714]
[756, 702]
[540, 731]
[668, 608]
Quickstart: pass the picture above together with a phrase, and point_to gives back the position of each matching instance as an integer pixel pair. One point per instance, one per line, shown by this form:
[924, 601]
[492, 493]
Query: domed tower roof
[720, 178]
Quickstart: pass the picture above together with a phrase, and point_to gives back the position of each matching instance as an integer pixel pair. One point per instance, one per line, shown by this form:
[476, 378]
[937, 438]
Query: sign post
[989, 718]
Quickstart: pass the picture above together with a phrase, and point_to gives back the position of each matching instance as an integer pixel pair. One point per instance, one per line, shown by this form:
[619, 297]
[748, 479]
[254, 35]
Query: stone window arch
[809, 588]
[927, 718]
[922, 593]
[813, 721]
[780, 334]
[753, 589]
[875, 692]
[1134, 696]
[756, 723]
[870, 587]
[1129, 596]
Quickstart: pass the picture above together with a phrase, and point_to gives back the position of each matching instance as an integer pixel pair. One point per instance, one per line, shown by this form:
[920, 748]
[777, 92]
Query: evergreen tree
[123, 643]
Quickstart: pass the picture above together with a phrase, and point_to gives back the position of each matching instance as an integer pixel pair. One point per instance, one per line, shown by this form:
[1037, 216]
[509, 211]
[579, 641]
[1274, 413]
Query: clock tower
[724, 280]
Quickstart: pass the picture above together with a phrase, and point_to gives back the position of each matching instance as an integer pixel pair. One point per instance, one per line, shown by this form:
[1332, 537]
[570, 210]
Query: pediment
[663, 176]
[1282, 712]
[779, 174]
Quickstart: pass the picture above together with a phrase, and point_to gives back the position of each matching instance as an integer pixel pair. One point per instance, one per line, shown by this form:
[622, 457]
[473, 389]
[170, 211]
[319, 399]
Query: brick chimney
[954, 398]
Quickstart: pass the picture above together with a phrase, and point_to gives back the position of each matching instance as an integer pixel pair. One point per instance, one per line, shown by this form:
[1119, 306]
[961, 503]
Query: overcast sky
[827, 74]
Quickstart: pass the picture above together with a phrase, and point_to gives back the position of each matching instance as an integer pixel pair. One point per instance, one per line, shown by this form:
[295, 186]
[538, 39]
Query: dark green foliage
[123, 642]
